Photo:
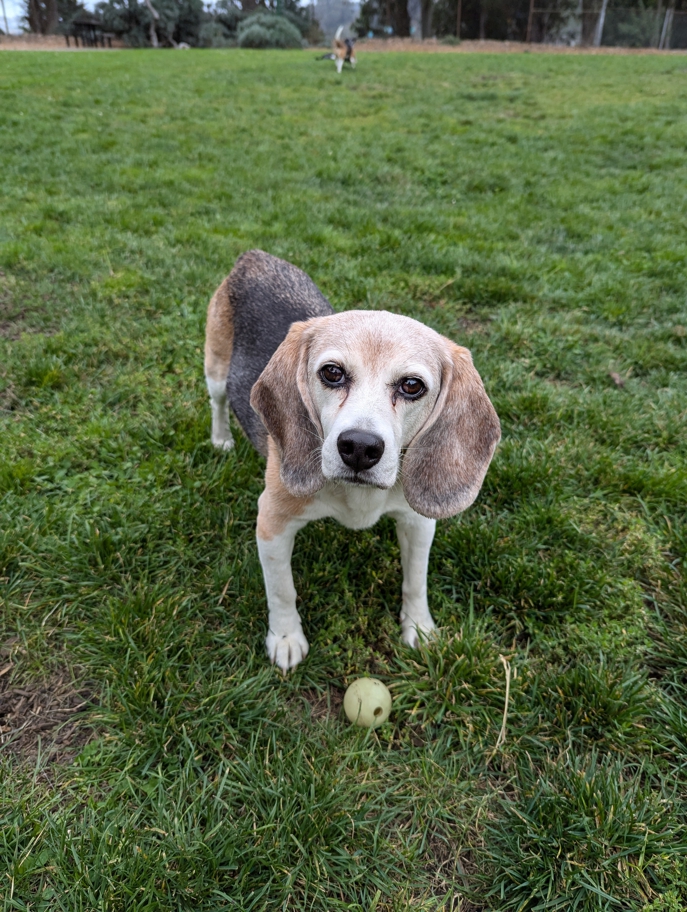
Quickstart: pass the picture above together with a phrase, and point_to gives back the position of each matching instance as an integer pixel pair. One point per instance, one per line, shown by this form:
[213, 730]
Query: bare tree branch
[153, 33]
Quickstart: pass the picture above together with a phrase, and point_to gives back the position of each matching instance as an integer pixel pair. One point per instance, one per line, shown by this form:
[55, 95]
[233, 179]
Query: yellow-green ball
[367, 702]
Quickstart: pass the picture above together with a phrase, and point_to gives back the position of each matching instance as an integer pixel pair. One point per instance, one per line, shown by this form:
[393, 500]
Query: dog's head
[364, 397]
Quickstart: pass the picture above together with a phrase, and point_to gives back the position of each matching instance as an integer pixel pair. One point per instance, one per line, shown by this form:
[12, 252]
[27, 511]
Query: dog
[359, 414]
[343, 51]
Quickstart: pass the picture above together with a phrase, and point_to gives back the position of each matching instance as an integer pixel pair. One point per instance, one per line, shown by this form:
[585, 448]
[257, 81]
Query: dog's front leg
[286, 642]
[415, 535]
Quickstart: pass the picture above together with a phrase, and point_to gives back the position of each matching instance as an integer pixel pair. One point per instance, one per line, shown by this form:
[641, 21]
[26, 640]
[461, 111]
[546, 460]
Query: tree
[42, 16]
[378, 16]
[67, 10]
[163, 22]
[45, 17]
[166, 23]
[502, 19]
[426, 11]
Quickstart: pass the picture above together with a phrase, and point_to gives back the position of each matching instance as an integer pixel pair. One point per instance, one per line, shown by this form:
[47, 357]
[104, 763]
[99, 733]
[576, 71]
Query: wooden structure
[89, 30]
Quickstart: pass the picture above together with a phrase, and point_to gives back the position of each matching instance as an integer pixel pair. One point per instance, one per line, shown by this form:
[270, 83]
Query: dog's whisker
[313, 433]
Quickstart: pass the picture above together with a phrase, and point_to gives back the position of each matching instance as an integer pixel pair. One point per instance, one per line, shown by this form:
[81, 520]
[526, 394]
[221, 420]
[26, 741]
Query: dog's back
[249, 317]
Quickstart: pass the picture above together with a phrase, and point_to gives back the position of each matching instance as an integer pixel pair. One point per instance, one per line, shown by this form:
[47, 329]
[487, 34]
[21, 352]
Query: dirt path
[433, 46]
[45, 43]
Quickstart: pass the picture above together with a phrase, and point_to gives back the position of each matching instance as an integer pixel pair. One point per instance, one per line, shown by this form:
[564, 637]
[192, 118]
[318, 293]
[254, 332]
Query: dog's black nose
[359, 449]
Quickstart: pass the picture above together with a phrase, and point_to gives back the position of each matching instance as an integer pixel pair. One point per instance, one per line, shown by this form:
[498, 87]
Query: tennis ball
[367, 702]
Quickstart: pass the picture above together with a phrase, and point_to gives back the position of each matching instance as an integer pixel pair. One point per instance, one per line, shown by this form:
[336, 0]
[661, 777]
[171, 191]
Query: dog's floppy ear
[281, 398]
[445, 463]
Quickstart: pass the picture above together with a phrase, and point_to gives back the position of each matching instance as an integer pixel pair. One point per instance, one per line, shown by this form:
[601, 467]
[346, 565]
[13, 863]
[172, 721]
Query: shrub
[255, 36]
[296, 19]
[180, 20]
[214, 35]
[265, 30]
[228, 15]
[631, 27]
[218, 27]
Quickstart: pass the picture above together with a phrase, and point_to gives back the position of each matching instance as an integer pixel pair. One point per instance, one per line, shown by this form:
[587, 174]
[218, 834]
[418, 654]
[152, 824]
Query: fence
[619, 26]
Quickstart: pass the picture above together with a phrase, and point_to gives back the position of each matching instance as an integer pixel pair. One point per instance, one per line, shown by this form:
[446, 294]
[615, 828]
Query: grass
[531, 207]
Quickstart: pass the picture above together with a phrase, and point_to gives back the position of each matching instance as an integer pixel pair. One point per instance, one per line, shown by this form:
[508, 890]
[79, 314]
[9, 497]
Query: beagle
[359, 414]
[343, 50]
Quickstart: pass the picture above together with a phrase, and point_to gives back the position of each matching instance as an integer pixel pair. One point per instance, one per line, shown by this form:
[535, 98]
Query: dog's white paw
[414, 632]
[286, 651]
[223, 443]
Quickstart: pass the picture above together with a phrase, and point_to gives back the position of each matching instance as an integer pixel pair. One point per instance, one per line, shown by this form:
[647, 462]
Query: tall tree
[376, 15]
[42, 16]
[426, 9]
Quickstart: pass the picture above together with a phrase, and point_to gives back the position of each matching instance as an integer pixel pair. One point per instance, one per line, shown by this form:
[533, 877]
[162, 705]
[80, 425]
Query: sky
[13, 8]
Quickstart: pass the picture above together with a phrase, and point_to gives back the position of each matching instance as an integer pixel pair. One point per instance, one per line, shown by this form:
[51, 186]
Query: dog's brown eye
[412, 387]
[332, 374]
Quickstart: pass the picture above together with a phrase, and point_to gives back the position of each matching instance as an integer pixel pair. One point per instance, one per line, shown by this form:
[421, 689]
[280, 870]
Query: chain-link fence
[618, 26]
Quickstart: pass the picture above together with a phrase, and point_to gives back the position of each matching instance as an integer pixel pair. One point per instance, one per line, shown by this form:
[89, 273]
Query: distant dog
[343, 51]
[359, 414]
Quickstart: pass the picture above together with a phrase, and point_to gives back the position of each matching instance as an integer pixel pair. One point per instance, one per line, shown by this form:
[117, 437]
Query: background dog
[343, 51]
[359, 414]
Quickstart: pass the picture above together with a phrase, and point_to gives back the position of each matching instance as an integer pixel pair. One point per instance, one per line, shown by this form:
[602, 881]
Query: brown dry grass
[433, 46]
[430, 46]
[46, 43]
[325, 705]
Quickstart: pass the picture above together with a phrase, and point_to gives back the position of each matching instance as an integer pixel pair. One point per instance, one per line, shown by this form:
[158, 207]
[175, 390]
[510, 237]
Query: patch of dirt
[474, 327]
[324, 706]
[45, 715]
[11, 319]
[11, 329]
[431, 45]
[447, 864]
[494, 47]
[9, 400]
[16, 317]
[442, 862]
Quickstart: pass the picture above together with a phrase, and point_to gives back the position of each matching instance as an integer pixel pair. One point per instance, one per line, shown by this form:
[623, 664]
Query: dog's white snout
[360, 450]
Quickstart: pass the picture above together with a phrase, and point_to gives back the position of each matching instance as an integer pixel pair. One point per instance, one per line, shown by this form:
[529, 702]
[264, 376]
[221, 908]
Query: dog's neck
[359, 506]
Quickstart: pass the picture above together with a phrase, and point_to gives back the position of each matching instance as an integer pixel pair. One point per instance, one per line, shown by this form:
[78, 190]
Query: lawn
[531, 207]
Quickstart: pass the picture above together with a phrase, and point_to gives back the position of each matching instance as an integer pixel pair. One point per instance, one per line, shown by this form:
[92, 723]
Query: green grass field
[531, 207]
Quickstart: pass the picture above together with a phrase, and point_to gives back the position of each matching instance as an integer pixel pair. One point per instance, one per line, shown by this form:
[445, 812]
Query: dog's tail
[337, 37]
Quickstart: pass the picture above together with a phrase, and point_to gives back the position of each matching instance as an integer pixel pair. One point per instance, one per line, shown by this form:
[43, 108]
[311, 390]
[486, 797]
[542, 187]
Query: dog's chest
[358, 507]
